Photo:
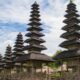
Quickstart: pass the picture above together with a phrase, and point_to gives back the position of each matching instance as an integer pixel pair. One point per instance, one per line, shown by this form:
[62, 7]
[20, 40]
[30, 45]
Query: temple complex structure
[18, 47]
[28, 65]
[71, 56]
[34, 59]
[8, 58]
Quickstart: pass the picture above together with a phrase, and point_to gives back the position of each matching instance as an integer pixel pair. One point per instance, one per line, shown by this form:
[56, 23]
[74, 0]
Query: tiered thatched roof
[72, 34]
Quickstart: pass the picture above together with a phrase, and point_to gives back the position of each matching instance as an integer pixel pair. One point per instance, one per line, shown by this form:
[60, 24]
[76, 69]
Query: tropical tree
[55, 64]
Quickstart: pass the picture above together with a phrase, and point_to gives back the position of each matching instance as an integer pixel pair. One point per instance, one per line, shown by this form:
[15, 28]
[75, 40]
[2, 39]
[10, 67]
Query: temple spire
[34, 35]
[8, 57]
[71, 33]
[8, 45]
[71, 1]
[35, 2]
[34, 42]
[18, 47]
[20, 33]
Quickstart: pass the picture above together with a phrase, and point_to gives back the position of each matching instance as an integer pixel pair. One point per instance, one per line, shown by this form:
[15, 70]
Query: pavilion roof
[34, 57]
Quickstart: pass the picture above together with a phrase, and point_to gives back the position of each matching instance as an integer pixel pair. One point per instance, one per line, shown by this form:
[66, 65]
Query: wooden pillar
[41, 72]
[35, 73]
[21, 70]
[78, 68]
[67, 66]
[0, 73]
[48, 74]
[32, 72]
[79, 65]
[4, 74]
[41, 69]
[61, 69]
[10, 73]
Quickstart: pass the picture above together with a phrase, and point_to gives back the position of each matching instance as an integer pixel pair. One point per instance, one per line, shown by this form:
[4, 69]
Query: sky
[15, 15]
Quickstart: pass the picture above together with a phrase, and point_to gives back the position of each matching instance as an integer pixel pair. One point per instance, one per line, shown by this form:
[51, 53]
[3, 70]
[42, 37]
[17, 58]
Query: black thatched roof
[68, 34]
[34, 57]
[67, 54]
[69, 43]
[38, 28]
[72, 34]
[34, 38]
[34, 32]
[72, 26]
[71, 13]
[74, 19]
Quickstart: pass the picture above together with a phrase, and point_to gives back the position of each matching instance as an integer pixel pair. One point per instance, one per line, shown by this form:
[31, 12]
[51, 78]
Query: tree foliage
[56, 64]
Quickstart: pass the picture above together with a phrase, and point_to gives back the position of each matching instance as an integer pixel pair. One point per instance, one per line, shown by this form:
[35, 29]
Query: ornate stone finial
[35, 2]
[71, 1]
[9, 45]
[19, 33]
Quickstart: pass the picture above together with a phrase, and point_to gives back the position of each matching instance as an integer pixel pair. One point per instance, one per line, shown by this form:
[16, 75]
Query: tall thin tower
[35, 33]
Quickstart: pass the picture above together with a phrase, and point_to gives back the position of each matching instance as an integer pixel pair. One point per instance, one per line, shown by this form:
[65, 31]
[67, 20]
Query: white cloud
[52, 14]
[6, 38]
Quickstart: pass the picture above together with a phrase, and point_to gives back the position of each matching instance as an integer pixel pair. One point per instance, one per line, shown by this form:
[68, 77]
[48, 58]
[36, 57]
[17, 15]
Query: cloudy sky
[14, 17]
